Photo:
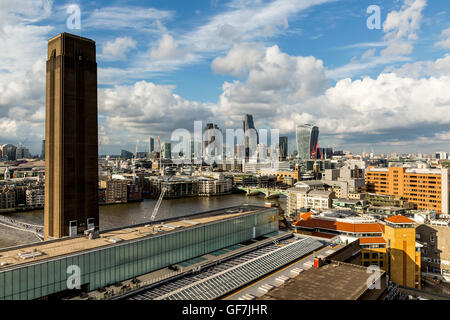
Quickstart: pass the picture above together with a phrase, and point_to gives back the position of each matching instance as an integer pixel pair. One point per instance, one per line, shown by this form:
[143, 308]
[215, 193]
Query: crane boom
[160, 199]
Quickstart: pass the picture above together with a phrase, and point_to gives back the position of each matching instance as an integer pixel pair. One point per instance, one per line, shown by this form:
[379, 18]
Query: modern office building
[283, 143]
[209, 137]
[345, 181]
[71, 131]
[307, 141]
[124, 154]
[151, 145]
[325, 153]
[43, 269]
[251, 136]
[428, 189]
[166, 150]
[43, 150]
[9, 152]
[442, 155]
[22, 152]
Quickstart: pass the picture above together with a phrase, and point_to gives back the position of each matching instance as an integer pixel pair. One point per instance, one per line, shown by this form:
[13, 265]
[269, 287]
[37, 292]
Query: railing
[23, 226]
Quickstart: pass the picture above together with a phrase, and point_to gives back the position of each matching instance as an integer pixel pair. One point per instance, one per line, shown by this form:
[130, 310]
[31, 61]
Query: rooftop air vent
[28, 255]
[115, 240]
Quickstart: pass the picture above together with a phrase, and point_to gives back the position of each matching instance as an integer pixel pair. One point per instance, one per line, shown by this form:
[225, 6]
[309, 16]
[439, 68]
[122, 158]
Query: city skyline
[294, 160]
[382, 89]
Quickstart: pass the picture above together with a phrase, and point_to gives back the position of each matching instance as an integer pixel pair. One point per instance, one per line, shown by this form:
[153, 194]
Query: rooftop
[355, 225]
[399, 219]
[408, 170]
[372, 240]
[71, 36]
[334, 281]
[12, 257]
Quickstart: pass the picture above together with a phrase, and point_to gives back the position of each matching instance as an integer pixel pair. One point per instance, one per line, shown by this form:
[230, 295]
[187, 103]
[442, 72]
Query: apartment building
[116, 190]
[427, 189]
[211, 187]
[35, 197]
[434, 235]
[7, 198]
[309, 196]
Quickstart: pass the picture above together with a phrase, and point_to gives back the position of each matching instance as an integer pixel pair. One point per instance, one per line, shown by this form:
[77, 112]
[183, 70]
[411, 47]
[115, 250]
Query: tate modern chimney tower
[71, 137]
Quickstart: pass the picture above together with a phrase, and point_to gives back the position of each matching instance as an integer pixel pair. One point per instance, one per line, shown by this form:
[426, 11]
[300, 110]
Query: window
[366, 255]
[375, 255]
[432, 238]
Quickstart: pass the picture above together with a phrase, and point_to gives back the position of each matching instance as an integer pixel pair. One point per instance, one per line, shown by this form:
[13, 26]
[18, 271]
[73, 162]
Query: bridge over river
[23, 226]
[268, 192]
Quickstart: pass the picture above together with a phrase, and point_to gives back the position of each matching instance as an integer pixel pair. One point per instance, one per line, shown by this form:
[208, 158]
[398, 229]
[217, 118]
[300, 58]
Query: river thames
[117, 215]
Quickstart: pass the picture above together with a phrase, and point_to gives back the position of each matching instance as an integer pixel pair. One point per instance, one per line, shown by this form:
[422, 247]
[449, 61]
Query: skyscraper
[151, 145]
[43, 150]
[307, 140]
[209, 138]
[166, 150]
[22, 152]
[283, 143]
[250, 134]
[9, 152]
[71, 135]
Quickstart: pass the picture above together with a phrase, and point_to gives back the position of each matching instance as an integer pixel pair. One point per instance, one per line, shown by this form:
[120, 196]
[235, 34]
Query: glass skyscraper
[307, 140]
[283, 143]
[248, 124]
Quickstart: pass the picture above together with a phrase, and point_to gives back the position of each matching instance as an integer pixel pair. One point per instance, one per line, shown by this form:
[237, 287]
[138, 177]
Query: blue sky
[164, 64]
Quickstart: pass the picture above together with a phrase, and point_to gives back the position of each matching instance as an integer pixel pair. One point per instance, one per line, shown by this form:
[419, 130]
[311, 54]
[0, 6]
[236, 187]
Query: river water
[117, 215]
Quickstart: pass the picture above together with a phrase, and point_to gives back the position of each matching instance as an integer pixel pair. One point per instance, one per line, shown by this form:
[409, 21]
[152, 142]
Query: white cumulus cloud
[117, 49]
[445, 42]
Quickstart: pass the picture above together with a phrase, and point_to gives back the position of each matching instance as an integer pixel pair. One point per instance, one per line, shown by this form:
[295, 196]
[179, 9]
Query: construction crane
[160, 199]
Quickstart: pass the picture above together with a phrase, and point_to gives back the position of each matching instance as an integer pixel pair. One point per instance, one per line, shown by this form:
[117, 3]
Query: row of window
[371, 263]
[112, 264]
[373, 255]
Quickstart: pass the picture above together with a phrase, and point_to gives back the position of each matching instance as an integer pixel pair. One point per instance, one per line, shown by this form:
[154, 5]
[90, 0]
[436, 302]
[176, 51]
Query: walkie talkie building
[307, 140]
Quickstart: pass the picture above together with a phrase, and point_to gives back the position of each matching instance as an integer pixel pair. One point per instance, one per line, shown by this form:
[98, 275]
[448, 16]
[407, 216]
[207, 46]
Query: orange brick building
[390, 245]
[428, 189]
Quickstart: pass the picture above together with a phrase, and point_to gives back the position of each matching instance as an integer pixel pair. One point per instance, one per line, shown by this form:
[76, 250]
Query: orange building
[282, 175]
[405, 258]
[427, 189]
[390, 245]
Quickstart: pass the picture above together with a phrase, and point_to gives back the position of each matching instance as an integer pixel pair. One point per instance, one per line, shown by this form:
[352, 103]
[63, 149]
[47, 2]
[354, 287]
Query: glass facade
[108, 265]
[307, 140]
